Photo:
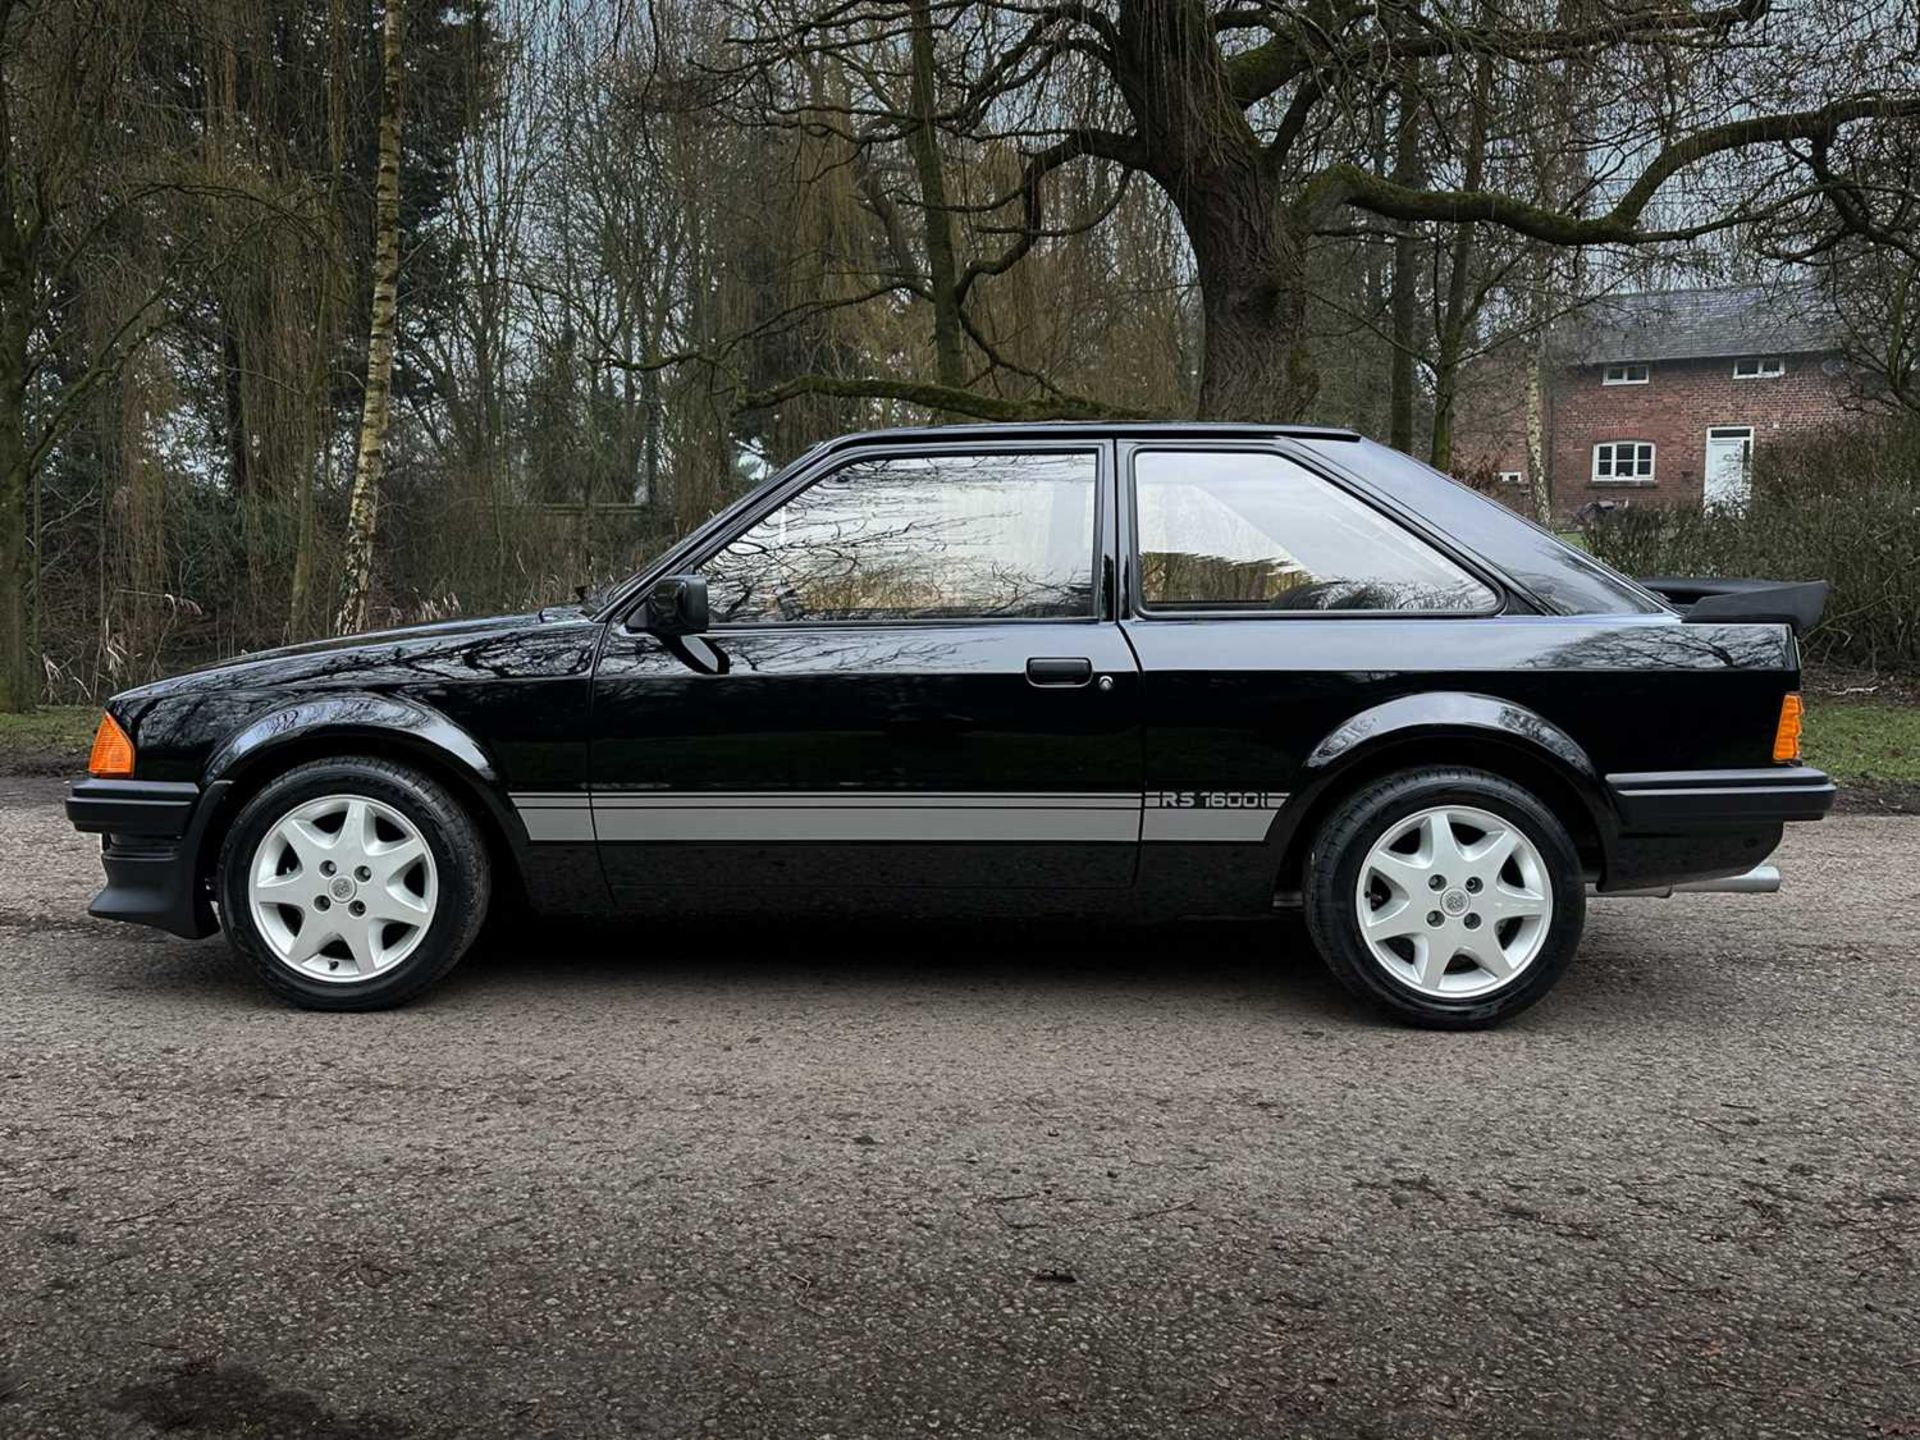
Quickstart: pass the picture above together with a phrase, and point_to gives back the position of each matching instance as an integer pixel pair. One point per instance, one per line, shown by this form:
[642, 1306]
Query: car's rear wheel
[352, 884]
[1447, 898]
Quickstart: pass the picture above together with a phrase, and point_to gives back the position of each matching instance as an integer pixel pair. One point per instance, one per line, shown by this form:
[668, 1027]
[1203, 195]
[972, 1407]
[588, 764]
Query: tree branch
[1255, 74]
[1348, 184]
[1103, 144]
[933, 397]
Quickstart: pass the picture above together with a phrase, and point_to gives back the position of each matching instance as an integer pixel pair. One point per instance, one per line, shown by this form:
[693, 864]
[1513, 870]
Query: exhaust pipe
[1761, 880]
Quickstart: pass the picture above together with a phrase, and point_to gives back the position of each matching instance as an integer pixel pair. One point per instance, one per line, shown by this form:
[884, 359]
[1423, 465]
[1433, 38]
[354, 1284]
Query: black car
[1122, 669]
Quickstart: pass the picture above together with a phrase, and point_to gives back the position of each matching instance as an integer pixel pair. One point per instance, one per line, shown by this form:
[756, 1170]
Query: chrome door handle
[1059, 671]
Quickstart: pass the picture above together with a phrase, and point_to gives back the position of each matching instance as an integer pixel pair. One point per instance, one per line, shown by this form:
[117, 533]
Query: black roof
[1724, 323]
[1092, 429]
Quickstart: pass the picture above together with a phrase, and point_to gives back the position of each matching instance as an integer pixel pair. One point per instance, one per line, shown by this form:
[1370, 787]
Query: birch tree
[363, 511]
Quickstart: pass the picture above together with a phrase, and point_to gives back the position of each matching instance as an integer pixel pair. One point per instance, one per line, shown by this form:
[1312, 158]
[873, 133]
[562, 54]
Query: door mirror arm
[698, 654]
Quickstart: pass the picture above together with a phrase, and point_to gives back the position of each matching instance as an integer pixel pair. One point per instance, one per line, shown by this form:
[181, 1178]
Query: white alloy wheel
[342, 888]
[1454, 902]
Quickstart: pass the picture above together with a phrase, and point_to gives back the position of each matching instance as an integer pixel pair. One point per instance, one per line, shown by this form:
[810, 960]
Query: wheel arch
[1479, 732]
[383, 727]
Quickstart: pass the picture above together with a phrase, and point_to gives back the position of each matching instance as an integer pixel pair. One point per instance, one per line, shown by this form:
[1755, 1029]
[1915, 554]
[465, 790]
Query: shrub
[1843, 506]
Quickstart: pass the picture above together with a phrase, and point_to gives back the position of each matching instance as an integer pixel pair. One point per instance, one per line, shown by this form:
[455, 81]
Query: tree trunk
[19, 685]
[942, 272]
[300, 600]
[1249, 247]
[651, 404]
[1456, 322]
[363, 511]
[1405, 303]
[1253, 296]
[1540, 490]
[1450, 346]
[233, 373]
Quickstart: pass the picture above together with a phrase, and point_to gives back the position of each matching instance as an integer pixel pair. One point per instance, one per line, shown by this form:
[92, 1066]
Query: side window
[921, 537]
[1235, 531]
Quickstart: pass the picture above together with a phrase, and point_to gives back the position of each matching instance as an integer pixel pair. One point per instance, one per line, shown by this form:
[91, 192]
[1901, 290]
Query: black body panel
[824, 754]
[1163, 763]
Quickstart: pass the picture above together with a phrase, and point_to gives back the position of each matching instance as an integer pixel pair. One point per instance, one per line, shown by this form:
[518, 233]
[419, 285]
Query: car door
[914, 676]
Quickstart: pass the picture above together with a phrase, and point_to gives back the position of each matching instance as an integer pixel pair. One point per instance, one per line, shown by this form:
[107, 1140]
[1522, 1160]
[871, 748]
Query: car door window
[1249, 531]
[920, 537]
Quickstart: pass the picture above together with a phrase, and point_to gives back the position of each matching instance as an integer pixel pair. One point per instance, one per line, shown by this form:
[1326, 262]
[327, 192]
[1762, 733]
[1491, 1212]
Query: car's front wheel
[1448, 898]
[352, 884]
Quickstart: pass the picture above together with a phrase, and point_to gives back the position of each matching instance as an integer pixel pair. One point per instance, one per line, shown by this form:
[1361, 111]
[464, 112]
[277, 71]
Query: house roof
[1696, 325]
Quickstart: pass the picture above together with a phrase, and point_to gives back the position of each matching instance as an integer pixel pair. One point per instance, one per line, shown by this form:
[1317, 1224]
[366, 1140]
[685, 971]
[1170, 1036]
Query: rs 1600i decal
[852, 816]
[1239, 816]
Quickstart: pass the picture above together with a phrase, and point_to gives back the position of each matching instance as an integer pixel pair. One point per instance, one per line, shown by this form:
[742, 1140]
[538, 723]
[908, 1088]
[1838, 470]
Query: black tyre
[1449, 899]
[352, 884]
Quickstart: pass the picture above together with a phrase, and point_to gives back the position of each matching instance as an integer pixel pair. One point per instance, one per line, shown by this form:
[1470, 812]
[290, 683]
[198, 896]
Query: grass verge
[1864, 742]
[53, 741]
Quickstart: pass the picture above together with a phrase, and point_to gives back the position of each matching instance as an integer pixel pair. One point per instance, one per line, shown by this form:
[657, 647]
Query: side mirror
[677, 605]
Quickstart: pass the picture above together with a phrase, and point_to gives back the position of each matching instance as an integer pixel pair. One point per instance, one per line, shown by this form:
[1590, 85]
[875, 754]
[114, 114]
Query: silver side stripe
[859, 800]
[1033, 817]
[871, 815]
[550, 818]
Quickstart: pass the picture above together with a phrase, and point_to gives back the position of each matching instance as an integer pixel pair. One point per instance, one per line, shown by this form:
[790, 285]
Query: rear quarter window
[1253, 531]
[1564, 578]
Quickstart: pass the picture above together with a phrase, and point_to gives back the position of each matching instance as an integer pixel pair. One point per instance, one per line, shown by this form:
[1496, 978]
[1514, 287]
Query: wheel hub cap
[343, 888]
[1454, 902]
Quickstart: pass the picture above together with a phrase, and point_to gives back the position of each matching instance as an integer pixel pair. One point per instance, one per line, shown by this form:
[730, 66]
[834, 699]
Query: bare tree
[1863, 251]
[84, 279]
[1245, 113]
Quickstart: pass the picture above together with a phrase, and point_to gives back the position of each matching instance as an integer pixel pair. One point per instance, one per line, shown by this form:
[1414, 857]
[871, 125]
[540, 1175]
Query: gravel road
[694, 1181]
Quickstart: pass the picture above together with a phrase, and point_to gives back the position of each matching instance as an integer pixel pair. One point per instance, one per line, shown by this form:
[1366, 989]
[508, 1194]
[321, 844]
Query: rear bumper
[1665, 801]
[1681, 827]
[151, 833]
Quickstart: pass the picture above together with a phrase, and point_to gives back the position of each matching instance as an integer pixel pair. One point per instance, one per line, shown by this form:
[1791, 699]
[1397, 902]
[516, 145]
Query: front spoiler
[151, 842]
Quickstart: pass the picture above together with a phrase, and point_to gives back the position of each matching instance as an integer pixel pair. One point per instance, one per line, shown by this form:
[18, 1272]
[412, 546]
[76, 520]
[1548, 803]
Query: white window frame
[1612, 462]
[1765, 367]
[1627, 372]
[1512, 477]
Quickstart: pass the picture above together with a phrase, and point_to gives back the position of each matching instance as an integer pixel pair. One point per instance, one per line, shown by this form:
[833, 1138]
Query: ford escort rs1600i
[1144, 670]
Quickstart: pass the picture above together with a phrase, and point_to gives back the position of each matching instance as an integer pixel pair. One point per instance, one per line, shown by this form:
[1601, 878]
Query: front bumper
[1682, 827]
[151, 844]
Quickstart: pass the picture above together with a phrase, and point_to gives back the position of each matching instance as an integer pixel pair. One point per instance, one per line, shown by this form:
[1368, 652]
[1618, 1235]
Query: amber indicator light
[1786, 736]
[112, 756]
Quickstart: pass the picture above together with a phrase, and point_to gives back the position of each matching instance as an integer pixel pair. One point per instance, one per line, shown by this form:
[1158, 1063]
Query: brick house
[1659, 398]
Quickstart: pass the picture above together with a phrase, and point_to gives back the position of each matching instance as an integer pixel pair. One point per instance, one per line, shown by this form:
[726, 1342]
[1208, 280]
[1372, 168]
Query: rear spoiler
[1799, 603]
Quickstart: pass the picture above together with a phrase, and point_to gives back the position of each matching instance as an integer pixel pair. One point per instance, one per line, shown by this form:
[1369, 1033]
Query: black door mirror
[677, 605]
